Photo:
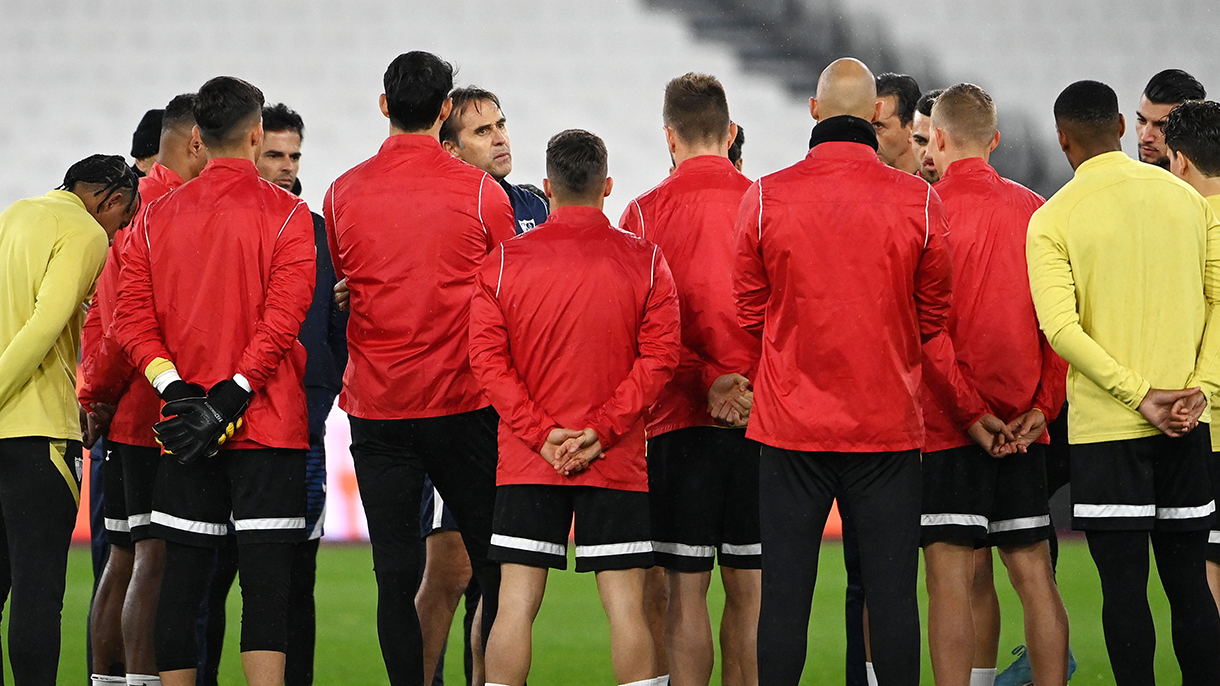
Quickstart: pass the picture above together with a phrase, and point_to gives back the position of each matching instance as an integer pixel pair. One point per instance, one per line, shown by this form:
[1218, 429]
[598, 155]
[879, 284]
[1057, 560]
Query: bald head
[846, 87]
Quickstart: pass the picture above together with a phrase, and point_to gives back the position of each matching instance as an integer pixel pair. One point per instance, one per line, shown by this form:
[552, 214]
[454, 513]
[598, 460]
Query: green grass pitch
[570, 638]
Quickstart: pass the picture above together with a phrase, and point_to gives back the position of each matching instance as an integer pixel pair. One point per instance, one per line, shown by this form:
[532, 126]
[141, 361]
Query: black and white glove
[197, 426]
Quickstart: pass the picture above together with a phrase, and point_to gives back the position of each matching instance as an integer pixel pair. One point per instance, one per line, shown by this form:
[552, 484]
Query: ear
[939, 139]
[256, 136]
[446, 110]
[671, 139]
[609, 187]
[876, 112]
[1064, 142]
[1122, 125]
[194, 146]
[385, 106]
[546, 189]
[995, 141]
[813, 109]
[450, 147]
[732, 134]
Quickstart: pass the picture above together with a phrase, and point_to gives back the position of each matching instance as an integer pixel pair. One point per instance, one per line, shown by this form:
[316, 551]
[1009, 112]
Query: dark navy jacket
[528, 209]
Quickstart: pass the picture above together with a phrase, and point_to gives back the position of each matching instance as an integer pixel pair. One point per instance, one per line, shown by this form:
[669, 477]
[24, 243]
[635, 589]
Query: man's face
[280, 159]
[921, 134]
[483, 139]
[1150, 132]
[116, 213]
[893, 139]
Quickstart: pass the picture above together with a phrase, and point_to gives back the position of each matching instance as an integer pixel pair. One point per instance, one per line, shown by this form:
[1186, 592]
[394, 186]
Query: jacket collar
[844, 129]
[411, 142]
[68, 196]
[229, 164]
[164, 175]
[705, 163]
[578, 216]
[1105, 159]
[969, 165]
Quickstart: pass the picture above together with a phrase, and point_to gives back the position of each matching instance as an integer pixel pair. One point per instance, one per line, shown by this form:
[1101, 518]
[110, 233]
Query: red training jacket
[408, 228]
[107, 375]
[842, 266]
[1000, 349]
[574, 324]
[690, 216]
[217, 280]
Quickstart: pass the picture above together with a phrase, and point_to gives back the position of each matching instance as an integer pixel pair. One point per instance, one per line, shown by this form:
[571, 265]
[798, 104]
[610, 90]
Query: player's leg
[740, 563]
[140, 605]
[1185, 508]
[39, 494]
[446, 575]
[883, 495]
[686, 475]
[391, 477]
[461, 457]
[268, 492]
[1213, 539]
[858, 661]
[613, 539]
[302, 615]
[106, 612]
[985, 610]
[1121, 558]
[799, 489]
[530, 536]
[958, 488]
[213, 611]
[656, 607]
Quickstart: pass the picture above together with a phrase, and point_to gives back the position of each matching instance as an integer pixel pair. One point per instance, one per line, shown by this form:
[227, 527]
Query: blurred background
[77, 75]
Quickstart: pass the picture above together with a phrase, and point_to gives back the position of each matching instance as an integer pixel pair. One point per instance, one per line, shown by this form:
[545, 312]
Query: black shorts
[114, 500]
[261, 491]
[434, 514]
[139, 476]
[1213, 536]
[1143, 484]
[971, 497]
[532, 523]
[703, 498]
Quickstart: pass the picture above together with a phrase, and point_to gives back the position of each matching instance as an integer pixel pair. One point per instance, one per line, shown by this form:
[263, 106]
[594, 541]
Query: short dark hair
[179, 113]
[696, 108]
[280, 117]
[224, 108]
[576, 162]
[906, 88]
[924, 106]
[1173, 86]
[109, 173]
[1193, 129]
[738, 142]
[417, 83]
[462, 99]
[1087, 102]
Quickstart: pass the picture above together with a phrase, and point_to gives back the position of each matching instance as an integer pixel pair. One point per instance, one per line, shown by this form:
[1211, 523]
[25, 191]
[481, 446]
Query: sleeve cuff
[157, 368]
[242, 381]
[1133, 401]
[164, 379]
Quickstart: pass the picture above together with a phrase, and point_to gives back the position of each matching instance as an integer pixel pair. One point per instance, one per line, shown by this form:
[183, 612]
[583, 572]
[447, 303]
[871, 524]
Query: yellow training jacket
[51, 252]
[1124, 267]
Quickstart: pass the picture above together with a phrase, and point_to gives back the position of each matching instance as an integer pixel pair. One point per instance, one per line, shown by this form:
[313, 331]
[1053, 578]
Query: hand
[554, 440]
[993, 436]
[97, 420]
[343, 297]
[1160, 407]
[198, 427]
[1027, 428]
[730, 400]
[576, 454]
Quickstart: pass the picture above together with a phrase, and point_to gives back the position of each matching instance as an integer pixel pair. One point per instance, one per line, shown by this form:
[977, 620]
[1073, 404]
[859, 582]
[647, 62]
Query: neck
[558, 202]
[245, 152]
[953, 154]
[434, 132]
[1207, 186]
[1087, 153]
[906, 162]
[683, 153]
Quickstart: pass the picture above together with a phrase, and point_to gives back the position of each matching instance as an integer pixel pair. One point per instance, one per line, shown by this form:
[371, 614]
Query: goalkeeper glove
[197, 427]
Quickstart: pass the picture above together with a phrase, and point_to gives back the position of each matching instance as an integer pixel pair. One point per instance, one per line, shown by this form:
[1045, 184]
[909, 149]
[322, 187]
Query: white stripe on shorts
[742, 550]
[438, 508]
[269, 523]
[952, 520]
[119, 525]
[1213, 537]
[1019, 524]
[528, 544]
[139, 520]
[608, 549]
[206, 528]
[1186, 512]
[683, 550]
[1099, 511]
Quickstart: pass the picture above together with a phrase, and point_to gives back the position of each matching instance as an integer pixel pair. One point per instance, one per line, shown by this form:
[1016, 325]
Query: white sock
[143, 680]
[871, 675]
[982, 677]
[103, 680]
[655, 681]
